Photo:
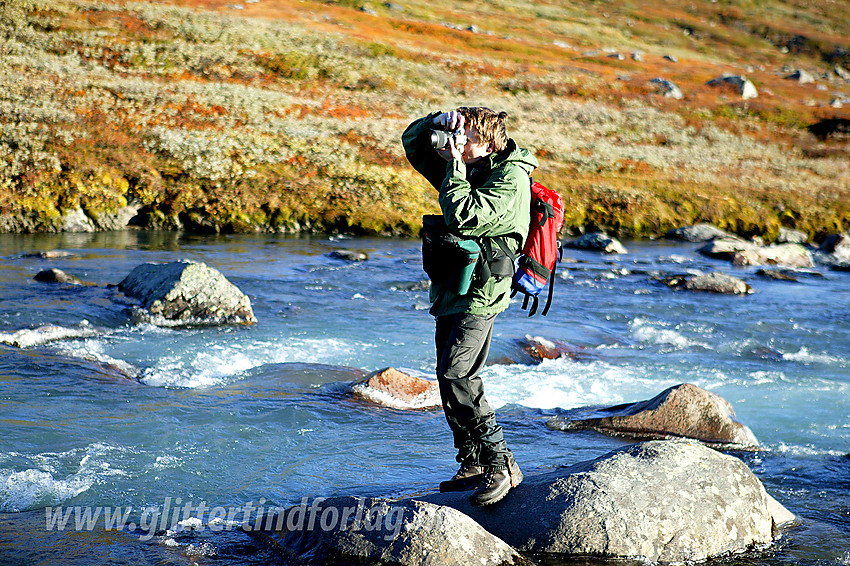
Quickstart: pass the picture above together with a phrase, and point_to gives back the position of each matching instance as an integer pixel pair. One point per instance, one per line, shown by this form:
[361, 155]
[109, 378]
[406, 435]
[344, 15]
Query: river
[100, 411]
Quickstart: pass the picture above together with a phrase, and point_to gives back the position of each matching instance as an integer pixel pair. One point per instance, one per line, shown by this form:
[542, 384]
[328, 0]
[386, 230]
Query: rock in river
[393, 388]
[353, 530]
[700, 233]
[709, 282]
[598, 241]
[188, 293]
[683, 410]
[668, 501]
[57, 276]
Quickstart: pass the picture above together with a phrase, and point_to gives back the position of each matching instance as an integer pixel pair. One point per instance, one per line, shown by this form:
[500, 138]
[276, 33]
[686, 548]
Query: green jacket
[490, 198]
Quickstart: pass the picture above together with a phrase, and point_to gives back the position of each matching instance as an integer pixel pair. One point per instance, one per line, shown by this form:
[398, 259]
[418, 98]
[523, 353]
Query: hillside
[285, 115]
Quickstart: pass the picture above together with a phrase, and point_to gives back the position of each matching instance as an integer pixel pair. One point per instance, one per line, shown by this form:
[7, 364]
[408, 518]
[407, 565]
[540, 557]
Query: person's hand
[449, 121]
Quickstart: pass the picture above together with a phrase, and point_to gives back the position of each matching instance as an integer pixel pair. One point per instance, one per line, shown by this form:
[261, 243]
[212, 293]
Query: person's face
[475, 149]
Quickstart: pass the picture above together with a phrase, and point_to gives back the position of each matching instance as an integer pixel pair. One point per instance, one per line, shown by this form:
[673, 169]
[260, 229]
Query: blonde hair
[489, 124]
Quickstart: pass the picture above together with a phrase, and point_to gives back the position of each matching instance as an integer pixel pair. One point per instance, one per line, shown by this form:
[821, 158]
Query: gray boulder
[117, 219]
[801, 76]
[726, 248]
[660, 501]
[667, 88]
[409, 533]
[788, 255]
[700, 233]
[598, 241]
[187, 292]
[683, 410]
[709, 282]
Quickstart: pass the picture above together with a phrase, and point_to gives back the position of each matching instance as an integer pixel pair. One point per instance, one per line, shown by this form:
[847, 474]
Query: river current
[100, 411]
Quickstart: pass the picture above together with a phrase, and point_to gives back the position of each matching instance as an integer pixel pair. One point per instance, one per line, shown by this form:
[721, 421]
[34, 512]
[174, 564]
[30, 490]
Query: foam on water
[45, 485]
[28, 337]
[221, 363]
[648, 332]
[565, 383]
[808, 357]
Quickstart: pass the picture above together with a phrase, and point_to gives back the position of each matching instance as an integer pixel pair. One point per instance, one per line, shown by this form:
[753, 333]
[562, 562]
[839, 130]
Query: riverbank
[279, 116]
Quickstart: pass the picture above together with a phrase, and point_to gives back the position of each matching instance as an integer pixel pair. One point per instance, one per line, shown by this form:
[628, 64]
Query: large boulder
[186, 292]
[683, 410]
[668, 501]
[598, 241]
[709, 282]
[393, 388]
[791, 236]
[700, 233]
[726, 248]
[353, 530]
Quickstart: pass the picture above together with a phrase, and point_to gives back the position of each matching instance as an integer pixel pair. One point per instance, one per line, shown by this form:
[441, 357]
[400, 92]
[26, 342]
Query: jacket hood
[513, 154]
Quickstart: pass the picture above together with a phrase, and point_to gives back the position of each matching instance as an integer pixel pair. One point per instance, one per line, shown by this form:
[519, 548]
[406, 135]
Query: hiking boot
[467, 477]
[497, 483]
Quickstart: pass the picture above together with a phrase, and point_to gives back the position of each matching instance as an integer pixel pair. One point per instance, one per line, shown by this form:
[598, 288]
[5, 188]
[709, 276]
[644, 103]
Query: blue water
[97, 410]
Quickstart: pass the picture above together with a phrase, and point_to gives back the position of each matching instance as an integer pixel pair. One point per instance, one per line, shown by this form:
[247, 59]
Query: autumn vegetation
[286, 115]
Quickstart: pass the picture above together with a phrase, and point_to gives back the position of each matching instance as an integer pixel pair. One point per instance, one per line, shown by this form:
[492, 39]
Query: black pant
[463, 342]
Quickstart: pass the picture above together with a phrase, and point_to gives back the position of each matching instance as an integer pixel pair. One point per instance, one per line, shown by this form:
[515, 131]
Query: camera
[440, 138]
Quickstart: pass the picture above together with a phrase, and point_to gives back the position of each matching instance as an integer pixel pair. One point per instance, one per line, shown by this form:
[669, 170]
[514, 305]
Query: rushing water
[231, 415]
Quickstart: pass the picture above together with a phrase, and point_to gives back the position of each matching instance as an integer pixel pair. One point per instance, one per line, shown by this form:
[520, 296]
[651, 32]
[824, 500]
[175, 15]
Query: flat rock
[185, 292]
[788, 255]
[393, 388]
[710, 282]
[353, 530]
[598, 241]
[57, 276]
[776, 275]
[683, 410]
[700, 233]
[664, 501]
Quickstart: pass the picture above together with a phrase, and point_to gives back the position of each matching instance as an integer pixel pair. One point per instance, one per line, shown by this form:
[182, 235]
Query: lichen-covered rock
[185, 292]
[393, 388]
[709, 282]
[683, 410]
[370, 531]
[700, 233]
[598, 241]
[667, 501]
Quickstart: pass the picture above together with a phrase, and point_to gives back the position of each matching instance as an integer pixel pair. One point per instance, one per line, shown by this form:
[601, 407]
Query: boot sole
[463, 484]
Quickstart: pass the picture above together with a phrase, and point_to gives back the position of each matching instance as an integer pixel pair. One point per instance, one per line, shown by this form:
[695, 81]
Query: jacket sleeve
[420, 154]
[490, 210]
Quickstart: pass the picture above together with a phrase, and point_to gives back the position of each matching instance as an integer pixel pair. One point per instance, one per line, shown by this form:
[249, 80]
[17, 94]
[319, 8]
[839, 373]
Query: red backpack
[542, 250]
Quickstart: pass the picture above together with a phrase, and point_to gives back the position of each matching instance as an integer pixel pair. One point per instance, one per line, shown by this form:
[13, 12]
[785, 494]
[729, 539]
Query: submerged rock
[348, 255]
[57, 276]
[353, 530]
[700, 233]
[709, 282]
[668, 501]
[776, 275]
[598, 241]
[396, 389]
[683, 410]
[187, 292]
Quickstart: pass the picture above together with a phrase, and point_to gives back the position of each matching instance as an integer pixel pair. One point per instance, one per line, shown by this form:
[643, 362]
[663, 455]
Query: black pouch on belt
[447, 258]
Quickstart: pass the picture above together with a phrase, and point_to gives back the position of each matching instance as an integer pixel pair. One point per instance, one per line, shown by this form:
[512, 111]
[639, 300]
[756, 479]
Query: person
[484, 194]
